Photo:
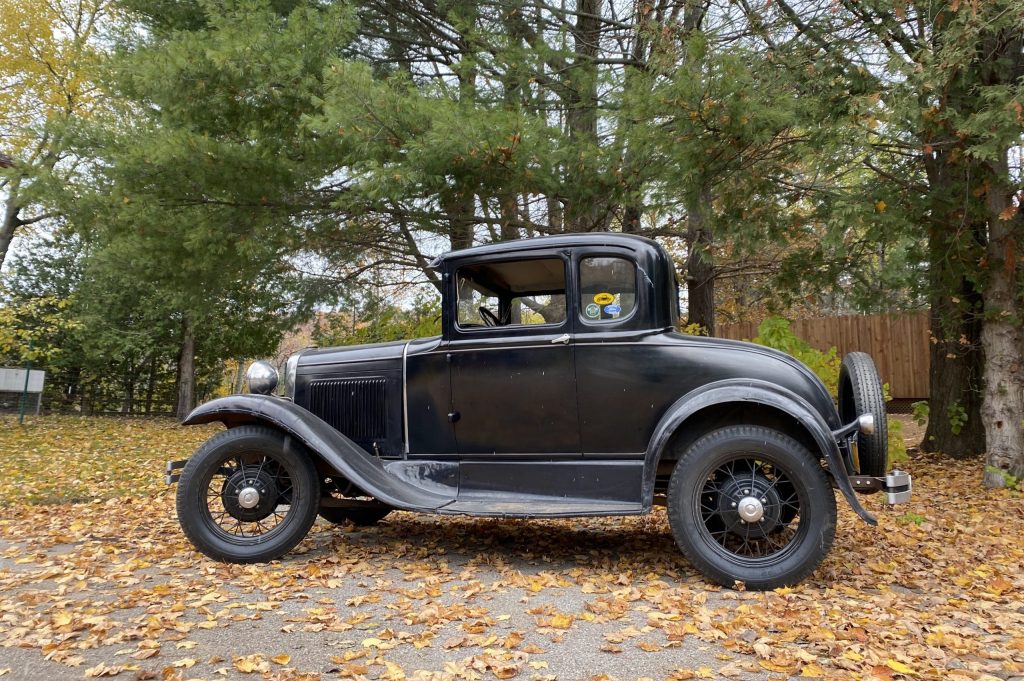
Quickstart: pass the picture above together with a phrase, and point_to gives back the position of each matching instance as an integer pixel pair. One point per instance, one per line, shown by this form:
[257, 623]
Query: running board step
[548, 507]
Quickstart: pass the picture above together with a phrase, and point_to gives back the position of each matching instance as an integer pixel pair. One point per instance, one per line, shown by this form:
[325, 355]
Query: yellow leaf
[186, 663]
[394, 672]
[900, 668]
[281, 659]
[561, 621]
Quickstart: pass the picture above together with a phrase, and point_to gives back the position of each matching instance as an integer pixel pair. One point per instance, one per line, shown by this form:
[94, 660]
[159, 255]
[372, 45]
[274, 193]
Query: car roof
[589, 239]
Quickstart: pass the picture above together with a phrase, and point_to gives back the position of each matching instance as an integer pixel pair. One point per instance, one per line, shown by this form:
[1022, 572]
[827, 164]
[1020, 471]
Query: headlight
[262, 377]
[290, 368]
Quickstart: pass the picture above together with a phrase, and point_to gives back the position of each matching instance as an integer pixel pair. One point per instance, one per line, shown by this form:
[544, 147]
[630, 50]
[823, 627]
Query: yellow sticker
[603, 298]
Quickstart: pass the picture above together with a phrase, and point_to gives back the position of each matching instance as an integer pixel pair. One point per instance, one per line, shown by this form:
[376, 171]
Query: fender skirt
[760, 392]
[339, 453]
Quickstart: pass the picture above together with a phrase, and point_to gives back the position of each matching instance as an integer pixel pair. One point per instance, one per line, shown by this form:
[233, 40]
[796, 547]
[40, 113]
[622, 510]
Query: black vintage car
[558, 387]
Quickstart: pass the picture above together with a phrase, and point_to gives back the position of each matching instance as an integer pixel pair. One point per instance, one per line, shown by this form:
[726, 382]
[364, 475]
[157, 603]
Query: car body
[560, 386]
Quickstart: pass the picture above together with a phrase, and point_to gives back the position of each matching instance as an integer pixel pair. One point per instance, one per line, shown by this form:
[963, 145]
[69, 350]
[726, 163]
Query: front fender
[760, 392]
[339, 453]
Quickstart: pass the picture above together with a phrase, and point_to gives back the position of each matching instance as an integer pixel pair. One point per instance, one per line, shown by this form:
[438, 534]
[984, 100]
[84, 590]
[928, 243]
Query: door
[512, 373]
[516, 396]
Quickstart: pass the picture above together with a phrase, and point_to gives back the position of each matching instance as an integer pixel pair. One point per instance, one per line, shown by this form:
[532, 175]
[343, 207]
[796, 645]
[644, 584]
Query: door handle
[563, 339]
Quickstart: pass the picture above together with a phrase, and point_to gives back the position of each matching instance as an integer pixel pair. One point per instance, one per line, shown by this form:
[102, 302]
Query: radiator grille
[355, 407]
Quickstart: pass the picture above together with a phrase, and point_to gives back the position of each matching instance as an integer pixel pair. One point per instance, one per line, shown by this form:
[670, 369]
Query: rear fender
[337, 452]
[760, 392]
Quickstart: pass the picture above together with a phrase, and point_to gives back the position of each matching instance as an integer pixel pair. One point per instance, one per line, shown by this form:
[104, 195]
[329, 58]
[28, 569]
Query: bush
[775, 332]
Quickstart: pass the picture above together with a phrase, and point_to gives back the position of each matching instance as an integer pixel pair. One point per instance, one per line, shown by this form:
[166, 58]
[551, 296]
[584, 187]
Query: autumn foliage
[96, 579]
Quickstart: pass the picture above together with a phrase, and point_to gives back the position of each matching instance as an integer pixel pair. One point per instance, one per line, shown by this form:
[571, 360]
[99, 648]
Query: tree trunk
[584, 213]
[1002, 407]
[10, 220]
[186, 370]
[150, 385]
[955, 238]
[700, 269]
[956, 360]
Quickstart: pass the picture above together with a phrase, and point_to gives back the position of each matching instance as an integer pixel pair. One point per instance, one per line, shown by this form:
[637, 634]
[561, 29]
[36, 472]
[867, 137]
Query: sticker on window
[593, 311]
[603, 298]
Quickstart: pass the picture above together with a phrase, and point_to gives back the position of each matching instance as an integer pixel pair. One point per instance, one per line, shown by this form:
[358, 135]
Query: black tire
[248, 456]
[860, 392]
[360, 517]
[724, 464]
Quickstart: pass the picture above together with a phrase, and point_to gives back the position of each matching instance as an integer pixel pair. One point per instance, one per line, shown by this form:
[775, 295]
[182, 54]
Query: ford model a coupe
[558, 387]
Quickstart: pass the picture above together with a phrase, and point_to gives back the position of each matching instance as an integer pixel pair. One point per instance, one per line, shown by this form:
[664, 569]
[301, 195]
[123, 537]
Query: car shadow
[622, 543]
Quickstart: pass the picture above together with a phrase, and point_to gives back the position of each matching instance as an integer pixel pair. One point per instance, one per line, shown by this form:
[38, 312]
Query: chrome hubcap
[248, 497]
[751, 509]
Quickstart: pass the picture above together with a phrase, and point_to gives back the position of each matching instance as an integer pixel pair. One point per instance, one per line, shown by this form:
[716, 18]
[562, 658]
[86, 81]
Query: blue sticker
[612, 309]
[593, 311]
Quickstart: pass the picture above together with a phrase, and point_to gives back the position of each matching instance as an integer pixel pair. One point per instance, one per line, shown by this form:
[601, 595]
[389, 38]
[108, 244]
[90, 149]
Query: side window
[512, 293]
[607, 288]
[471, 299]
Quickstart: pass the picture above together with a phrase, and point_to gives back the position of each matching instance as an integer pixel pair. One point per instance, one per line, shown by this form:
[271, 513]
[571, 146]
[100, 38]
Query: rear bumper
[898, 486]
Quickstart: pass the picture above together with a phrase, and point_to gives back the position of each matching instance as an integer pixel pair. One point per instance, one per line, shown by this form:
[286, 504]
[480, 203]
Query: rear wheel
[248, 495]
[750, 504]
[860, 392]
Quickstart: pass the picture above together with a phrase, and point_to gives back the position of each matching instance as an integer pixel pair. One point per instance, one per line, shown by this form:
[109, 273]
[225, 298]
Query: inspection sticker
[593, 311]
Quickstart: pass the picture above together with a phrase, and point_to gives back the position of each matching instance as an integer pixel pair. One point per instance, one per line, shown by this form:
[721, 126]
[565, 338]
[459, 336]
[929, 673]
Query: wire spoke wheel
[750, 508]
[751, 504]
[247, 495]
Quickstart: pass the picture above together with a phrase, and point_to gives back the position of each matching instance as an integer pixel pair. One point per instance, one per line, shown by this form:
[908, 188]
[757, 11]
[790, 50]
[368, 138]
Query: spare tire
[860, 392]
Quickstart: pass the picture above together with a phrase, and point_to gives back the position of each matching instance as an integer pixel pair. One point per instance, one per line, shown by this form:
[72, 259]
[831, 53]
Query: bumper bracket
[170, 477]
[897, 486]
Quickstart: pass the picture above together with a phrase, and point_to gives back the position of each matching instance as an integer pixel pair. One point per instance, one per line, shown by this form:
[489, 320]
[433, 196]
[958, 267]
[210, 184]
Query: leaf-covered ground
[96, 580]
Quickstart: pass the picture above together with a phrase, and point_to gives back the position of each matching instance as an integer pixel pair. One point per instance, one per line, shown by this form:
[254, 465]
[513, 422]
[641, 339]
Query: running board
[539, 507]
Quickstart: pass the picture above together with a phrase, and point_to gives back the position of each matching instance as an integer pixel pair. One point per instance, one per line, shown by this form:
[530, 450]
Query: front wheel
[248, 495]
[750, 504]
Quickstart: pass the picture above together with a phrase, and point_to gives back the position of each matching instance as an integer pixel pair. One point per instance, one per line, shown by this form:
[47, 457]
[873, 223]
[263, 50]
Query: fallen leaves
[95, 576]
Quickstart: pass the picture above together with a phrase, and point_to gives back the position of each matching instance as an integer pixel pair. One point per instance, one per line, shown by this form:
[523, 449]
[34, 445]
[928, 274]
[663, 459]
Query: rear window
[607, 288]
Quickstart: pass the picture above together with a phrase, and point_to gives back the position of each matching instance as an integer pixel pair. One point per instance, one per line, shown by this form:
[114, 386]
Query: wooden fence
[898, 344]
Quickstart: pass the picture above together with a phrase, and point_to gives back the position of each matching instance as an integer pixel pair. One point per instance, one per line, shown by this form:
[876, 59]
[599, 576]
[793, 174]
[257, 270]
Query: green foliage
[775, 332]
[31, 329]
[911, 518]
[957, 417]
[1009, 480]
[377, 321]
[897, 446]
[920, 412]
[694, 330]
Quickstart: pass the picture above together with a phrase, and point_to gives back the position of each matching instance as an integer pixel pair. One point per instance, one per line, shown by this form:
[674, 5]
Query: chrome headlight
[290, 369]
[262, 377]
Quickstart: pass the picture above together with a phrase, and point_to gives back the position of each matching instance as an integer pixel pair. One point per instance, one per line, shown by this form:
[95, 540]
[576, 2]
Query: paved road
[425, 597]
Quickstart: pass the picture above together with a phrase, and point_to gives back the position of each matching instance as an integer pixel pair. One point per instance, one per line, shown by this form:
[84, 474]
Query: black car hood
[352, 353]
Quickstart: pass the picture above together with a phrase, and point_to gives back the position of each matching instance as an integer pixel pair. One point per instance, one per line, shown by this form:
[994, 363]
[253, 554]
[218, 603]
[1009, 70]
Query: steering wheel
[489, 317]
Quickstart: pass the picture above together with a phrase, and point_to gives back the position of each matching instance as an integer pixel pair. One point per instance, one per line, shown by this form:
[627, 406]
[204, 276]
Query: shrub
[775, 332]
